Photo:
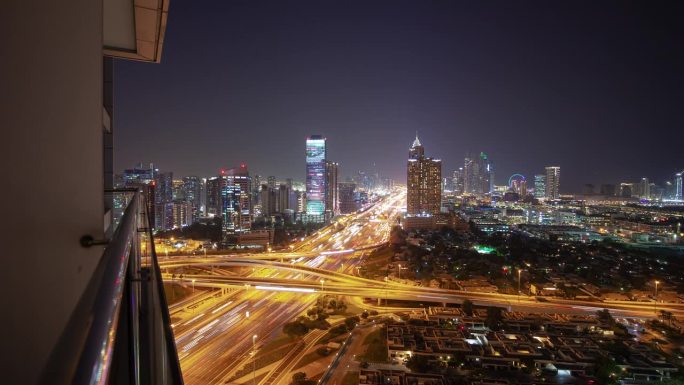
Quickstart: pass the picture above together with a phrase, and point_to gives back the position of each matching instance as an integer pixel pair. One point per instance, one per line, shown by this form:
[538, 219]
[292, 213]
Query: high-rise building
[424, 182]
[315, 175]
[164, 186]
[552, 182]
[269, 200]
[213, 193]
[283, 198]
[486, 176]
[457, 181]
[238, 177]
[301, 201]
[183, 213]
[478, 175]
[331, 201]
[644, 188]
[347, 198]
[678, 186]
[192, 192]
[539, 186]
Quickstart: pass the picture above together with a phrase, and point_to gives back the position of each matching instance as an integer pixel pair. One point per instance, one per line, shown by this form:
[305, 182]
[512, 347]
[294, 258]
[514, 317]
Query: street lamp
[193, 286]
[254, 337]
[655, 298]
[400, 271]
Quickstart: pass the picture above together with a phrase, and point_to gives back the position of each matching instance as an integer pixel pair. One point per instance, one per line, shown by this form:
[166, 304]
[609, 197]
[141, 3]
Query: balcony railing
[120, 331]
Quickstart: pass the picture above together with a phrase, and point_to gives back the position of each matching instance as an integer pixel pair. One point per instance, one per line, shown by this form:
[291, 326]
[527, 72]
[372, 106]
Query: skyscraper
[457, 181]
[424, 182]
[331, 201]
[644, 188]
[315, 174]
[486, 176]
[163, 200]
[552, 182]
[678, 186]
[192, 192]
[539, 186]
[346, 198]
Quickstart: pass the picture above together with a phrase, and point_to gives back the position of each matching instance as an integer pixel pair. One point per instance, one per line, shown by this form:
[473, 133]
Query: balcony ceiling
[134, 29]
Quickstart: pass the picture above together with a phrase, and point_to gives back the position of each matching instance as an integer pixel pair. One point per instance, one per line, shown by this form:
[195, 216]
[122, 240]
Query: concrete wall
[51, 152]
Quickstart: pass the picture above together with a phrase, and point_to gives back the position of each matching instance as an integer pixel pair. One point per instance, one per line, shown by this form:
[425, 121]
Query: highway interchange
[215, 330]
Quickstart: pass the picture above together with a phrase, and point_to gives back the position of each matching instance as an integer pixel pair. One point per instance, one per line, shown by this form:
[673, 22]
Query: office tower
[331, 203]
[539, 186]
[238, 187]
[213, 192]
[283, 198]
[552, 182]
[163, 186]
[183, 213]
[486, 175]
[301, 201]
[417, 150]
[315, 175]
[140, 177]
[163, 199]
[424, 181]
[644, 188]
[457, 181]
[272, 181]
[139, 174]
[192, 192]
[346, 197]
[470, 175]
[678, 186]
[230, 209]
[177, 189]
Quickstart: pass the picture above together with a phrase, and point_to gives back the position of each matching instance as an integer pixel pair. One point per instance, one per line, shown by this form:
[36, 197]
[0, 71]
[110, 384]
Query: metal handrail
[111, 311]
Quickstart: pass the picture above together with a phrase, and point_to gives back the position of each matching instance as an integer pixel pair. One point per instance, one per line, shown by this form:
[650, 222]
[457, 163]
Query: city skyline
[509, 89]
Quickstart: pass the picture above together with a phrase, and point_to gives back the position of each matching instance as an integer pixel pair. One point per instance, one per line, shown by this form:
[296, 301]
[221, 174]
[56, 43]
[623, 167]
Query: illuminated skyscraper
[539, 186]
[486, 177]
[457, 181]
[644, 188]
[678, 186]
[192, 192]
[331, 201]
[315, 175]
[478, 175]
[552, 182]
[424, 182]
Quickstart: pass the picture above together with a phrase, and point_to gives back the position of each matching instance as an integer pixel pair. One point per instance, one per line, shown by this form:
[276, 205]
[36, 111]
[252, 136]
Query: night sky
[597, 89]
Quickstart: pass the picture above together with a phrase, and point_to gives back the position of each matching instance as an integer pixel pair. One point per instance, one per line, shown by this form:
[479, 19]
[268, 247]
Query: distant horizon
[595, 88]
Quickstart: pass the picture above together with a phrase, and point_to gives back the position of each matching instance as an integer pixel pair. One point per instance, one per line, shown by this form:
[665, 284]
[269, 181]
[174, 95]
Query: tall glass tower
[315, 175]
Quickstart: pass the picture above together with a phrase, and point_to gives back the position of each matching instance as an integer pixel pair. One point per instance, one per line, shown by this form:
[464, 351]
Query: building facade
[552, 182]
[331, 200]
[315, 174]
[424, 182]
[539, 186]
